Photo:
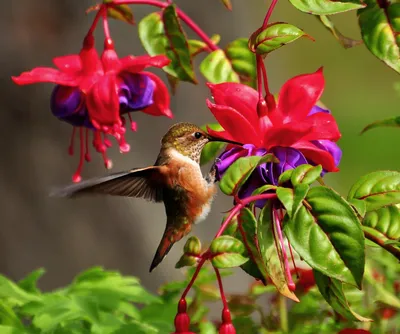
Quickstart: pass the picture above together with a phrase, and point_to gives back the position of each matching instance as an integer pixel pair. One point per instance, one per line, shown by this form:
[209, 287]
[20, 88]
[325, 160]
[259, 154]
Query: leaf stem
[182, 15]
[106, 27]
[391, 249]
[269, 13]
[96, 19]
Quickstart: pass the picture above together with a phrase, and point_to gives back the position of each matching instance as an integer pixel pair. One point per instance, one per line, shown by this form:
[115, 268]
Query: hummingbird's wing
[141, 182]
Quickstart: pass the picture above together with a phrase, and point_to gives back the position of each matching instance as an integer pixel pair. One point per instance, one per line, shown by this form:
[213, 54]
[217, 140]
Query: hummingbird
[175, 179]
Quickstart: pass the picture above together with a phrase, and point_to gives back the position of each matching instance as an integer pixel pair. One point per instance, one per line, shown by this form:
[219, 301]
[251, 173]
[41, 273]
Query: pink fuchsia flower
[296, 130]
[94, 93]
[182, 320]
[227, 325]
[354, 331]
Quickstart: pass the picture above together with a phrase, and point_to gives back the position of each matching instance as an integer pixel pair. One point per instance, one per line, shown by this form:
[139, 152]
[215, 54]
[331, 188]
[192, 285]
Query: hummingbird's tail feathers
[171, 235]
[140, 183]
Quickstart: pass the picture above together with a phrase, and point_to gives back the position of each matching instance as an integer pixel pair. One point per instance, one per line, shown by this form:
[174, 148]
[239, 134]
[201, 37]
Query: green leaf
[243, 61]
[137, 327]
[263, 189]
[238, 173]
[255, 267]
[211, 149]
[164, 319]
[377, 189]
[326, 7]
[217, 68]
[186, 261]
[14, 293]
[196, 46]
[120, 12]
[346, 42]
[385, 220]
[305, 174]
[332, 290]
[192, 246]
[12, 330]
[274, 36]
[207, 327]
[227, 252]
[285, 177]
[29, 282]
[359, 206]
[272, 252]
[161, 34]
[8, 316]
[292, 199]
[380, 29]
[226, 244]
[328, 236]
[393, 122]
[227, 4]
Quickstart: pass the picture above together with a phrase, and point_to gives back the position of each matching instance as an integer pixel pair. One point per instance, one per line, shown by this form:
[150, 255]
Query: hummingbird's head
[188, 139]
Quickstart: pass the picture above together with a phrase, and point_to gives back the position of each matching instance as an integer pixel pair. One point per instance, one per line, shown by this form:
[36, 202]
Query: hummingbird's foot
[211, 177]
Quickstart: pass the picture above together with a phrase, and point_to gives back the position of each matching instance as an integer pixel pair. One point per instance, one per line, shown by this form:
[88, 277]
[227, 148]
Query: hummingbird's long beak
[211, 138]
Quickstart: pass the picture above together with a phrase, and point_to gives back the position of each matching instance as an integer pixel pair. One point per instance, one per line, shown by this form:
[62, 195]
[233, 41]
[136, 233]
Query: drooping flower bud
[226, 326]
[182, 320]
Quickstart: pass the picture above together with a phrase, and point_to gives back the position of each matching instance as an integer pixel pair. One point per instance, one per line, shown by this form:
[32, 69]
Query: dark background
[67, 236]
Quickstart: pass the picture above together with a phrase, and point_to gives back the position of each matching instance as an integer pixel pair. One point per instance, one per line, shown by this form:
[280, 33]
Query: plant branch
[391, 249]
[182, 15]
[205, 256]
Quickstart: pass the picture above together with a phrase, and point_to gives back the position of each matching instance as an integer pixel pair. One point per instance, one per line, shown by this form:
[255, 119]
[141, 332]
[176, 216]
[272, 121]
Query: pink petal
[161, 104]
[237, 96]
[316, 155]
[68, 64]
[299, 94]
[103, 103]
[46, 74]
[235, 124]
[323, 126]
[110, 61]
[90, 61]
[137, 64]
[285, 135]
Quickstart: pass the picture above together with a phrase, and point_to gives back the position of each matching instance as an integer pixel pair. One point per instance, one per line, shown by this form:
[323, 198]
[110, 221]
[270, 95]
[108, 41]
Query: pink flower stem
[277, 223]
[221, 288]
[269, 13]
[99, 13]
[182, 15]
[205, 256]
[259, 77]
[106, 27]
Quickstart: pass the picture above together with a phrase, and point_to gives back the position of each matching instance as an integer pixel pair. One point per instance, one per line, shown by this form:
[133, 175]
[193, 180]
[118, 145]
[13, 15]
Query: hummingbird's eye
[197, 135]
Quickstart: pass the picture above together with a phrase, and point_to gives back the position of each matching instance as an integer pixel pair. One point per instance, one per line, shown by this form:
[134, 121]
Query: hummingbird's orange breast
[187, 174]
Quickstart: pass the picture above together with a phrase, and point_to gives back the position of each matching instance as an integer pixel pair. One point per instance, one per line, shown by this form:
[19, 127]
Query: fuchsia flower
[296, 130]
[94, 93]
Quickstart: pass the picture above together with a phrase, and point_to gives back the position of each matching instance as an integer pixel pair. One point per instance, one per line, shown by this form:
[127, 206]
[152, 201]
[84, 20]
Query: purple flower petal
[135, 91]
[330, 147]
[67, 104]
[317, 109]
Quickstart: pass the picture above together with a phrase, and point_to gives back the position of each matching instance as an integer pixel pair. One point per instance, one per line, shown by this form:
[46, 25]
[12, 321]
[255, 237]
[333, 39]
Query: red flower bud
[226, 326]
[182, 320]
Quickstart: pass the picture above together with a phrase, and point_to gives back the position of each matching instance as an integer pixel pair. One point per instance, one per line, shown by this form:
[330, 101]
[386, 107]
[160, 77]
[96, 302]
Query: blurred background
[68, 236]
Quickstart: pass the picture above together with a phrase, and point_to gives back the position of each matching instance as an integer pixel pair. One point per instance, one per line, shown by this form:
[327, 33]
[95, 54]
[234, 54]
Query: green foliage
[120, 12]
[380, 28]
[273, 37]
[161, 33]
[327, 235]
[227, 252]
[326, 7]
[239, 172]
[217, 68]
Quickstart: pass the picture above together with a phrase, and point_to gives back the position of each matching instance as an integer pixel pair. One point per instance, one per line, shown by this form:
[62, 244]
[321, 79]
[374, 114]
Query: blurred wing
[141, 183]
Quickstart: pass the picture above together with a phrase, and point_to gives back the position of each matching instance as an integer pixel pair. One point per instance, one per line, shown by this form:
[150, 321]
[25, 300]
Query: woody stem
[182, 15]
